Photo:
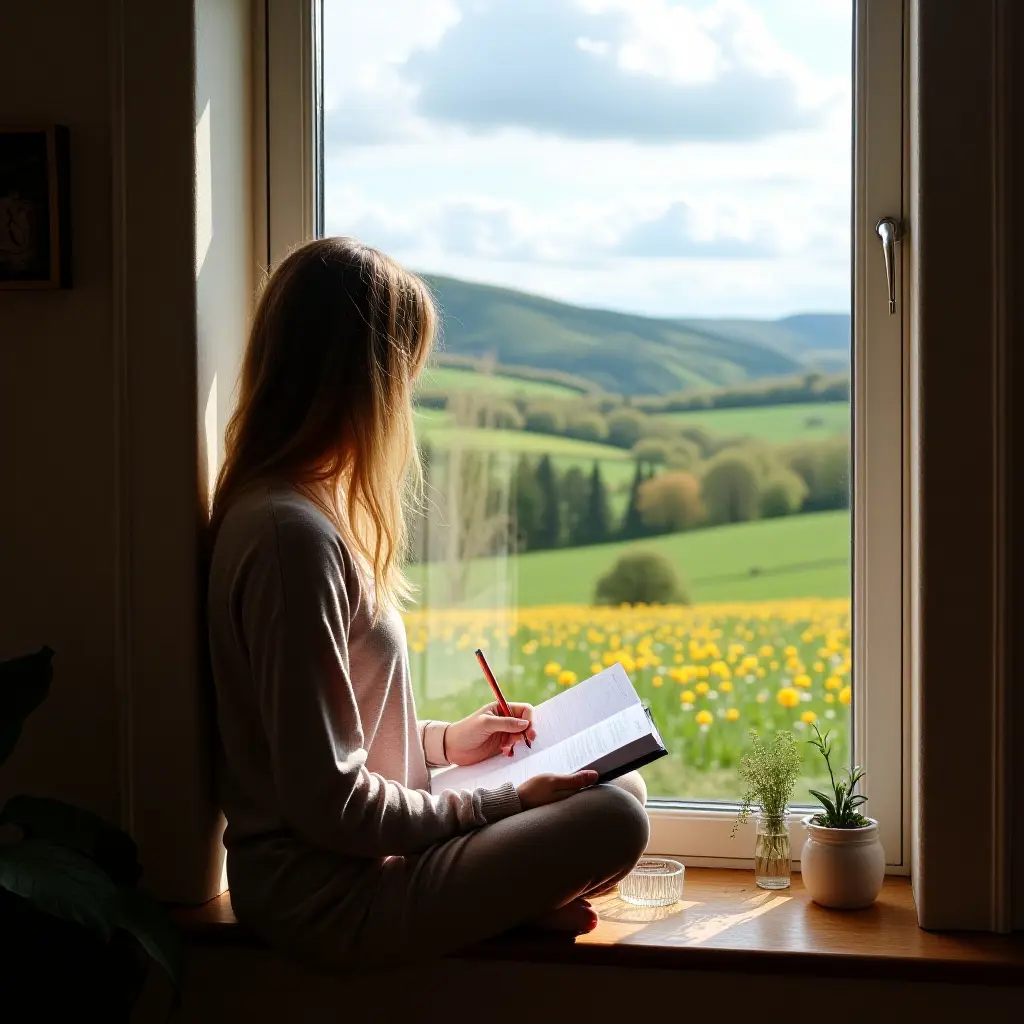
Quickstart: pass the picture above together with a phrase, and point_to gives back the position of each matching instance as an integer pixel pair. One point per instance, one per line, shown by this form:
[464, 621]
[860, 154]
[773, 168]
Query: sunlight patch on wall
[204, 188]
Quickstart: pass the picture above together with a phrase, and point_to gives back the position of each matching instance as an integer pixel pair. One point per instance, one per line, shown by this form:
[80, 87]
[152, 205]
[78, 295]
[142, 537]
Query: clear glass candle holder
[654, 882]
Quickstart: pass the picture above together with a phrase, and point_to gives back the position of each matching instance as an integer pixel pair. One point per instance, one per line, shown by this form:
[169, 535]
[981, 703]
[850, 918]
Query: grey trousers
[455, 893]
[488, 881]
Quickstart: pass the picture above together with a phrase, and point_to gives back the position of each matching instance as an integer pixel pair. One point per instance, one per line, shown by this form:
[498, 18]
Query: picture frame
[35, 223]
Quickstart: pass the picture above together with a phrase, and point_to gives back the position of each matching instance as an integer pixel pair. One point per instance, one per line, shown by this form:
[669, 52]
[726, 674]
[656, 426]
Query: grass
[798, 556]
[771, 422]
[452, 378]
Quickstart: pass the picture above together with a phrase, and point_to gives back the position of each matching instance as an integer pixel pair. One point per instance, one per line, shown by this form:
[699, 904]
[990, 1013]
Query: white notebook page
[574, 729]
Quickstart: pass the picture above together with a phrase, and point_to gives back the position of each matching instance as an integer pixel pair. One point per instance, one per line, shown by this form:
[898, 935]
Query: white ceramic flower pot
[842, 867]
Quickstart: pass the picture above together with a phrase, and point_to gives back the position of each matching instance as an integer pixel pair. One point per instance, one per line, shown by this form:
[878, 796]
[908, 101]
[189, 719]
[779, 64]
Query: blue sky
[667, 157]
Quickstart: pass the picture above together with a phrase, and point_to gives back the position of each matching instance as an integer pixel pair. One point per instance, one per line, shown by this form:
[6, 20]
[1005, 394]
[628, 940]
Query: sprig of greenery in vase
[841, 808]
[769, 772]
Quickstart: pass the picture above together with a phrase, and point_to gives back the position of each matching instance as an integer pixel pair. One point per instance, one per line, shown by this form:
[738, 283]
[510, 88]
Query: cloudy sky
[668, 157]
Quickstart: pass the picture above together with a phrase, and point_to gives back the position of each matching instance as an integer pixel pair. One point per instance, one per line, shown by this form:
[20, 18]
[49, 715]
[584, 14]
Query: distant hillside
[617, 351]
[818, 340]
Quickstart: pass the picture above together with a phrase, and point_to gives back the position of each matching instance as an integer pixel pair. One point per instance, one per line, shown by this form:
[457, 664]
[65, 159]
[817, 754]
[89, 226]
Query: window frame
[699, 832]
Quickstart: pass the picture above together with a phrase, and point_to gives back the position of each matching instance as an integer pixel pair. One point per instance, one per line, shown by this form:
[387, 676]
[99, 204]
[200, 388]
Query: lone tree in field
[670, 503]
[731, 490]
[641, 577]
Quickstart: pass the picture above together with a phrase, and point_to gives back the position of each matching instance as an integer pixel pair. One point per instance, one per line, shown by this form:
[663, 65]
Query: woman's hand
[549, 789]
[487, 732]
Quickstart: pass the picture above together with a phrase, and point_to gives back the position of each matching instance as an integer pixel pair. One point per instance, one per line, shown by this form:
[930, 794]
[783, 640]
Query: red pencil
[498, 695]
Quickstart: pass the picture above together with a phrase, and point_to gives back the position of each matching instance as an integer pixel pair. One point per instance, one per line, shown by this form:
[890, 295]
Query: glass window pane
[636, 219]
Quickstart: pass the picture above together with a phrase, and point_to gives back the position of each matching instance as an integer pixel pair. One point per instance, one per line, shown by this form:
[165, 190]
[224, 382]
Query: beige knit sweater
[320, 745]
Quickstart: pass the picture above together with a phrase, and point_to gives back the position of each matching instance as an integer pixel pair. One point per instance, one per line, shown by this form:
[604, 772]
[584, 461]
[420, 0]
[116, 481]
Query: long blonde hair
[325, 398]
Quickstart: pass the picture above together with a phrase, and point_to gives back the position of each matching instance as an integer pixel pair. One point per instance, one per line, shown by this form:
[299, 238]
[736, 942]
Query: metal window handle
[888, 230]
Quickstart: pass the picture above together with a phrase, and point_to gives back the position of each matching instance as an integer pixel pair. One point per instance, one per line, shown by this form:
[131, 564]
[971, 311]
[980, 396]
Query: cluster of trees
[806, 388]
[636, 426]
[560, 509]
[623, 420]
[489, 505]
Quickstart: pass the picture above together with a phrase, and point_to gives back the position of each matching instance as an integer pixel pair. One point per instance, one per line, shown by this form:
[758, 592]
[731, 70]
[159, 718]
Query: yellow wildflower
[687, 696]
[833, 683]
[845, 695]
[802, 680]
[725, 686]
[552, 668]
[733, 714]
[788, 697]
[809, 717]
[704, 718]
[702, 687]
[657, 681]
[567, 677]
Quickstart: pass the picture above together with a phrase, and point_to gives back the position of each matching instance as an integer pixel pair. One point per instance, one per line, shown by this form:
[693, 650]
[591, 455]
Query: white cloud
[608, 216]
[645, 70]
[575, 235]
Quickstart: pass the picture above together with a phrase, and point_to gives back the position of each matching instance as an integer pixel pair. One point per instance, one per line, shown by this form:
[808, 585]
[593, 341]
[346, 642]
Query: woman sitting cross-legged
[337, 846]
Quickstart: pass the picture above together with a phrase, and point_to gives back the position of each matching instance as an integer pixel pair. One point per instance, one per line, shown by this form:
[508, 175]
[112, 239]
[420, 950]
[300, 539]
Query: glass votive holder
[654, 882]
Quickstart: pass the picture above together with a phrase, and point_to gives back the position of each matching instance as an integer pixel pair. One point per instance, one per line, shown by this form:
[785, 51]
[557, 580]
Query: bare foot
[576, 917]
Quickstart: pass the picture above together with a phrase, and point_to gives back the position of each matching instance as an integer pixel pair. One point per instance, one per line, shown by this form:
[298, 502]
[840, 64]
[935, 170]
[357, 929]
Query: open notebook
[599, 723]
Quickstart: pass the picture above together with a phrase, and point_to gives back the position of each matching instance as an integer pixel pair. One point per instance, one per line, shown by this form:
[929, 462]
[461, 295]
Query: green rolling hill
[618, 352]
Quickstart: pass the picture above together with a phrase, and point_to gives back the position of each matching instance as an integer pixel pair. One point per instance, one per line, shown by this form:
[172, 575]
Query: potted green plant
[842, 862]
[76, 931]
[769, 772]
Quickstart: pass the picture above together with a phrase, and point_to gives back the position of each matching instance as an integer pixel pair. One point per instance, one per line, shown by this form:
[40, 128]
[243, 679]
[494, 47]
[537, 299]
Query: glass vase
[771, 852]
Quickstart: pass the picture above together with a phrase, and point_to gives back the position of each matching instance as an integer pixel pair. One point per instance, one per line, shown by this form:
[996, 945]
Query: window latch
[889, 231]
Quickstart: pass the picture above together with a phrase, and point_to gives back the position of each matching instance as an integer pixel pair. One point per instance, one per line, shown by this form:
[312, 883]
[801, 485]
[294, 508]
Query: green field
[771, 422]
[797, 556]
[453, 378]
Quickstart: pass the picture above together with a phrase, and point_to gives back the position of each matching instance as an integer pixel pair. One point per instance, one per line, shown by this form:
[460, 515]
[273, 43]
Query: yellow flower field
[709, 673]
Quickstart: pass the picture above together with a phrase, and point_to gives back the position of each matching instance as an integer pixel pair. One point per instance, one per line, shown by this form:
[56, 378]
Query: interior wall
[58, 550]
[111, 393]
[186, 145]
[226, 268]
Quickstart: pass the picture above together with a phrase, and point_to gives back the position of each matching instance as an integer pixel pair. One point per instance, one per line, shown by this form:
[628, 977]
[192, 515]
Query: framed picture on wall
[35, 230]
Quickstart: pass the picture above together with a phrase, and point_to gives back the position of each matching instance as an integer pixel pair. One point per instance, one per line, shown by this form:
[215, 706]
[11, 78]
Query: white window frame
[699, 833]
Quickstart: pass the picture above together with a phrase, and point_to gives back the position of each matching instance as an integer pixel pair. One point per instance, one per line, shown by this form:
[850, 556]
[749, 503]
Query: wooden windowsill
[725, 922]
